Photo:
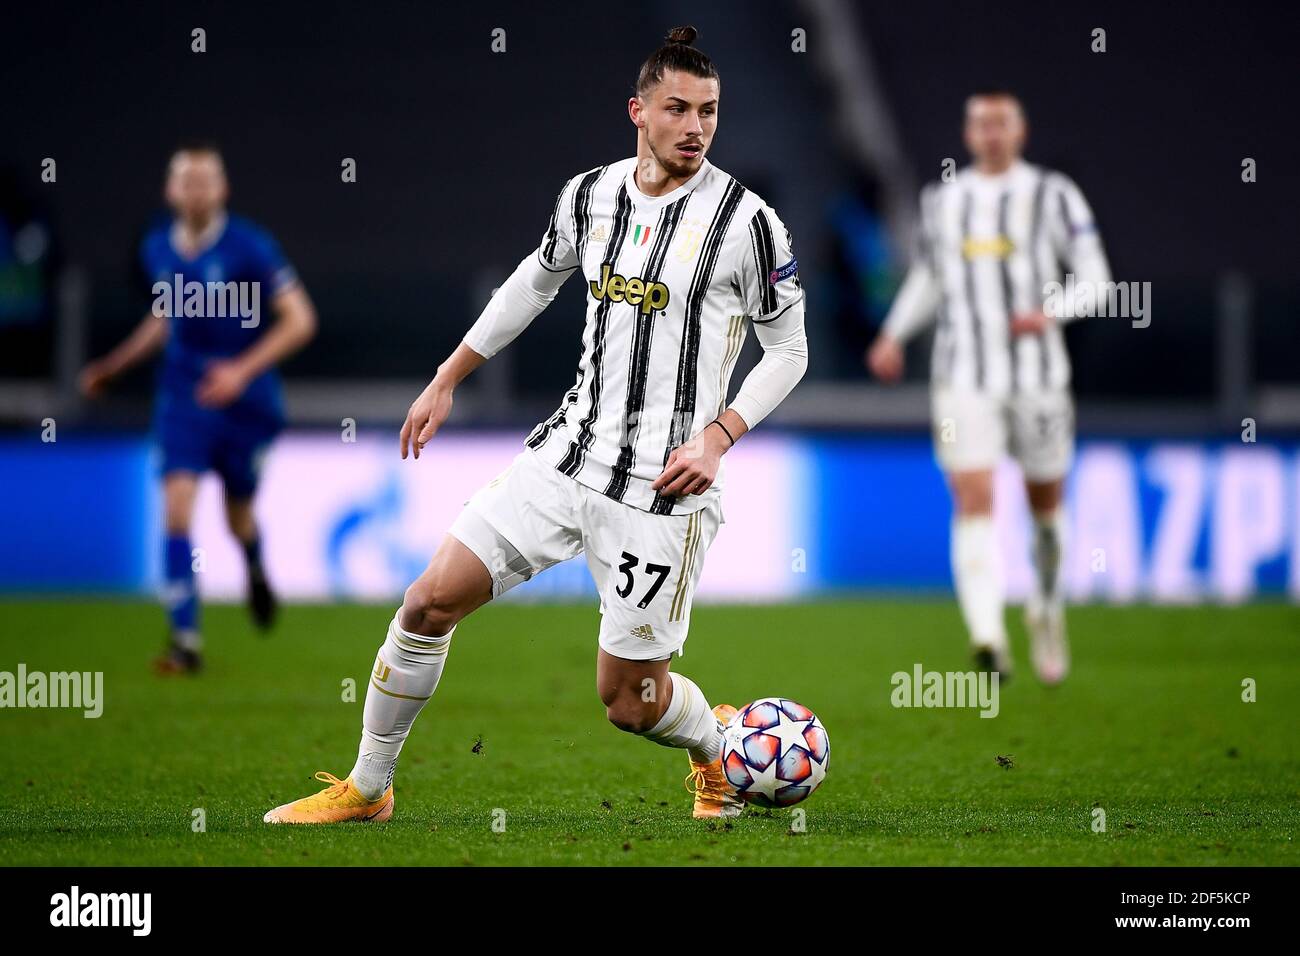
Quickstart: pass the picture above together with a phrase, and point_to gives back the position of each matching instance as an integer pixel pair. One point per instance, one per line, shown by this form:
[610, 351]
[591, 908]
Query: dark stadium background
[460, 152]
[832, 571]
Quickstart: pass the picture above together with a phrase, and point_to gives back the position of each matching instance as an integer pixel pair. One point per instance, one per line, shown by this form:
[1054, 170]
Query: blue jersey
[219, 304]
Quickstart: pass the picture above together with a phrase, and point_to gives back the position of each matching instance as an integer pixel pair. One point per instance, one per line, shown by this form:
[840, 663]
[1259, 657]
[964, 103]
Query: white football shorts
[645, 566]
[973, 430]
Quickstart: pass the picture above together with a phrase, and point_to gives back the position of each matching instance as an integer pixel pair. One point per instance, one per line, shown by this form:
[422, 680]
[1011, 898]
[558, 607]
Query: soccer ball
[775, 752]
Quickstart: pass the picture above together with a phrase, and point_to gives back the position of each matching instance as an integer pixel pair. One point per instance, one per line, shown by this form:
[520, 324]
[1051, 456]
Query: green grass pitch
[1150, 727]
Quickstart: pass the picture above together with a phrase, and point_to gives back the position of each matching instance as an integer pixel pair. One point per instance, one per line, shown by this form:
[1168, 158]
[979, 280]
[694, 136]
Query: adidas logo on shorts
[644, 631]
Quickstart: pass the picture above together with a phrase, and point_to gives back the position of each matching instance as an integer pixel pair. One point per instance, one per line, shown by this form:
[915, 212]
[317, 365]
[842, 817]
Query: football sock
[180, 596]
[977, 572]
[406, 673]
[253, 555]
[688, 722]
[1049, 543]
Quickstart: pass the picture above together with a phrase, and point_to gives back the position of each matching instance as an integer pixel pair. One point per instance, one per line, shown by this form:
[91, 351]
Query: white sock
[977, 571]
[688, 722]
[1049, 545]
[406, 674]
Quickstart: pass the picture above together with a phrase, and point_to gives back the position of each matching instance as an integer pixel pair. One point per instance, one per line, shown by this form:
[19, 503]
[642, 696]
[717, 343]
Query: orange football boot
[714, 795]
[340, 802]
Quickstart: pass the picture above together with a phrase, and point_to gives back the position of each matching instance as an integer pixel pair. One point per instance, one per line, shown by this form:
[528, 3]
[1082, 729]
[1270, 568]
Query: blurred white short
[645, 566]
[973, 430]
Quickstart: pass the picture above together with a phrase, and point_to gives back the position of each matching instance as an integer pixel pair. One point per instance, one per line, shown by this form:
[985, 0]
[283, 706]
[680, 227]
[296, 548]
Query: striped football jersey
[988, 246]
[672, 282]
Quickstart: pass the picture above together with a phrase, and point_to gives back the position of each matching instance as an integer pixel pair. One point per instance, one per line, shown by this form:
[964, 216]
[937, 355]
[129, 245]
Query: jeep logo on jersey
[999, 247]
[651, 296]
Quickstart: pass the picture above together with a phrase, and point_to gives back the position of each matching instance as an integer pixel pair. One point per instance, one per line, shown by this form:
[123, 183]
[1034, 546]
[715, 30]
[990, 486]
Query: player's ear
[634, 110]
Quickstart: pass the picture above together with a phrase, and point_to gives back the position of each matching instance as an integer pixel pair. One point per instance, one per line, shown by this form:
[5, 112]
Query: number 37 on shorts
[650, 582]
[645, 566]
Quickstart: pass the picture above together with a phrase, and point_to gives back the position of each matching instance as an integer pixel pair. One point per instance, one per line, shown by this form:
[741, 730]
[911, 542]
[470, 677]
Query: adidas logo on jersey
[651, 296]
[644, 631]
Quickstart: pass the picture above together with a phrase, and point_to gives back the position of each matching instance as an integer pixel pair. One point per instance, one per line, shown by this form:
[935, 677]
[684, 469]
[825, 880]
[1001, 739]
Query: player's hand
[425, 416]
[1030, 323]
[222, 383]
[885, 359]
[692, 467]
[94, 378]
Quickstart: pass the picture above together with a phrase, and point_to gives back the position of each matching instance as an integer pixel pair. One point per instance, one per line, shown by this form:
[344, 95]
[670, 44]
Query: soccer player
[990, 240]
[678, 259]
[218, 403]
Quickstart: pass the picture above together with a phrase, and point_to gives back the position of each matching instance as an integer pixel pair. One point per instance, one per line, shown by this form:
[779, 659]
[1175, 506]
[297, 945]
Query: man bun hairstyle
[677, 53]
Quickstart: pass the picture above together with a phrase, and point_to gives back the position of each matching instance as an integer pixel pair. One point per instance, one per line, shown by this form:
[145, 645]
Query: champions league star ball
[775, 752]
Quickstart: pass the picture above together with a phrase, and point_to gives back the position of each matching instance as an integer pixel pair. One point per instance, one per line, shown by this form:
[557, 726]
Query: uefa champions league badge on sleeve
[785, 272]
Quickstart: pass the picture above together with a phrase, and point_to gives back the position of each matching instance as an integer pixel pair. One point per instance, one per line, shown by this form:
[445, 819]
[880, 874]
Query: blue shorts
[212, 441]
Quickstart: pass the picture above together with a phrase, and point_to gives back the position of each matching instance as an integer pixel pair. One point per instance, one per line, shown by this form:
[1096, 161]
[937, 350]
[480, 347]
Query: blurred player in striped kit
[990, 239]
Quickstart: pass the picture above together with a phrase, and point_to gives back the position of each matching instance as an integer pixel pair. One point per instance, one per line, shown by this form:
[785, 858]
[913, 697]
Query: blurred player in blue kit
[218, 404]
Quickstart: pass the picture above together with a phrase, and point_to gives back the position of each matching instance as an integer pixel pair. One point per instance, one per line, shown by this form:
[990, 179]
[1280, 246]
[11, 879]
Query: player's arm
[295, 325]
[1072, 231]
[145, 341]
[520, 299]
[142, 344]
[1078, 243]
[692, 467]
[769, 281]
[784, 361]
[914, 307]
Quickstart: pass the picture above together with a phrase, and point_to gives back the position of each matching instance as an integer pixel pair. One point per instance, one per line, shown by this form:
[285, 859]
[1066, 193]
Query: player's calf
[629, 712]
[688, 722]
[411, 660]
[635, 693]
[429, 608]
[455, 583]
[406, 674]
[262, 603]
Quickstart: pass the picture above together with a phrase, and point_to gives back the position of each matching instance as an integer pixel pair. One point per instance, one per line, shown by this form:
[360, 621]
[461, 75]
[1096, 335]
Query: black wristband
[725, 429]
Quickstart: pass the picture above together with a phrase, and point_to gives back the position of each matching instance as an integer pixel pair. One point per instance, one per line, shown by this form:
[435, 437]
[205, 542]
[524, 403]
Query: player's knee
[428, 610]
[1044, 497]
[176, 518]
[974, 499]
[178, 525]
[631, 714]
[178, 506]
[241, 523]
